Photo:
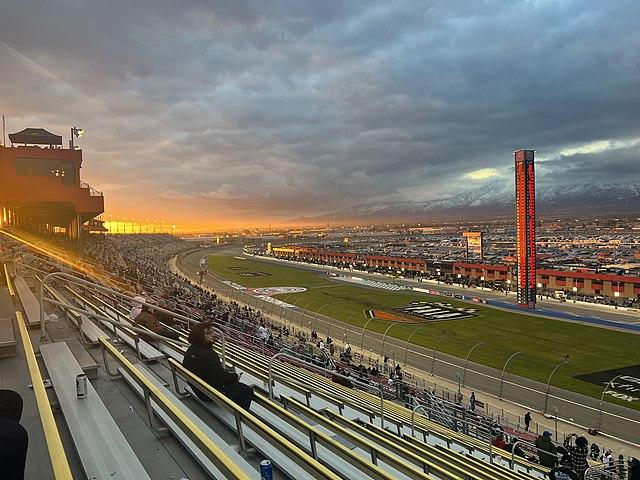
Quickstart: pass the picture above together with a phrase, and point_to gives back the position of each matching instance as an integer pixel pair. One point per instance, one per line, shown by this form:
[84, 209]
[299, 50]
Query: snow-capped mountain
[498, 198]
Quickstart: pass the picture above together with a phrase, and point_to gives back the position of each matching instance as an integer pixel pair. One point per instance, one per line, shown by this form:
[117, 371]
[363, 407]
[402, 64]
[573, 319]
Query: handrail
[424, 408]
[219, 457]
[376, 452]
[122, 325]
[290, 354]
[248, 417]
[57, 455]
[357, 430]
[81, 282]
[12, 291]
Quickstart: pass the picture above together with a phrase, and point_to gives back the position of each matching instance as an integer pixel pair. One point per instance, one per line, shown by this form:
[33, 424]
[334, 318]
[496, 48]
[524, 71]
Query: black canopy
[37, 136]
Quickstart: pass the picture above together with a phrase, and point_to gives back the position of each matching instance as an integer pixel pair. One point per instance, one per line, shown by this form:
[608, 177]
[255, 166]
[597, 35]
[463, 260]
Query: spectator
[607, 460]
[634, 469]
[136, 307]
[14, 439]
[527, 421]
[204, 362]
[594, 452]
[498, 442]
[147, 319]
[564, 470]
[263, 333]
[472, 401]
[579, 452]
[548, 451]
[512, 443]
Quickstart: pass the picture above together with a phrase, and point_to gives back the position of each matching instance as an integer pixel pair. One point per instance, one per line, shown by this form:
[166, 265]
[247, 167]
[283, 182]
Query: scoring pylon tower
[526, 227]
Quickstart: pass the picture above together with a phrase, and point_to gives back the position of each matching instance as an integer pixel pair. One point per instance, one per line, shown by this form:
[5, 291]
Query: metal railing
[291, 355]
[242, 416]
[92, 191]
[84, 283]
[219, 458]
[57, 455]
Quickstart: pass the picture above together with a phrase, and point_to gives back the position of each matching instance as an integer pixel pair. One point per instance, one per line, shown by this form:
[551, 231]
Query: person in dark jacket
[204, 362]
[634, 469]
[14, 439]
[548, 452]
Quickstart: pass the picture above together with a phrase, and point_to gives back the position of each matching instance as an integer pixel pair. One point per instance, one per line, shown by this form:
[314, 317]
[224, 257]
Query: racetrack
[617, 419]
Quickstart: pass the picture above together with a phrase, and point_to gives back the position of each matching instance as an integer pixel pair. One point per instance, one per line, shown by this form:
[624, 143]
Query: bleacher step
[83, 357]
[8, 342]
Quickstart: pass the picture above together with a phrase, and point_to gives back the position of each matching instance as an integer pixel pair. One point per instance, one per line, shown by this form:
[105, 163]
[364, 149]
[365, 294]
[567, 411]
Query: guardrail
[57, 455]
[92, 191]
[12, 291]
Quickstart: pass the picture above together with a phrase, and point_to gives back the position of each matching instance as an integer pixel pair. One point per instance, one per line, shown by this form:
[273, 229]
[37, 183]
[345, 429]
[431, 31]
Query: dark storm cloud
[298, 106]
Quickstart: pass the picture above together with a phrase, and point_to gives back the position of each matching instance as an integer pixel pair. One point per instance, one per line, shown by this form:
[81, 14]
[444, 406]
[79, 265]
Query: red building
[395, 263]
[40, 187]
[581, 283]
[525, 228]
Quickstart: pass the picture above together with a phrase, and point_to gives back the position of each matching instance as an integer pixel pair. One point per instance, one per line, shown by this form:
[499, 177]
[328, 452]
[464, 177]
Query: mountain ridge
[497, 198]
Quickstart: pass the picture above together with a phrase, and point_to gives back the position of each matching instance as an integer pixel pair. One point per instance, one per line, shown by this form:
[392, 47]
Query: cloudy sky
[224, 112]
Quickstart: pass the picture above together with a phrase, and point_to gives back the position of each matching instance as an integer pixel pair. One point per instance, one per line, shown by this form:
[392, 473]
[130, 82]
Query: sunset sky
[222, 113]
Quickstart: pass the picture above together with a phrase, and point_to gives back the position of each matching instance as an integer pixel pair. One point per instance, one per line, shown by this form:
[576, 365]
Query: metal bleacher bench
[30, 303]
[102, 448]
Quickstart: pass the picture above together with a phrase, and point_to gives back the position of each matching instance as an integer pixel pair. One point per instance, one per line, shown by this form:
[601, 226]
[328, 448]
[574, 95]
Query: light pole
[565, 360]
[555, 419]
[293, 308]
[406, 348]
[346, 324]
[363, 329]
[466, 360]
[435, 350]
[315, 320]
[331, 322]
[602, 400]
[503, 370]
[304, 312]
[384, 335]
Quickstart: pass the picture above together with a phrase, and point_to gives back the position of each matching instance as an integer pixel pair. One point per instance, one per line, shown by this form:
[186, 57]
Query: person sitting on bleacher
[14, 439]
[147, 319]
[204, 362]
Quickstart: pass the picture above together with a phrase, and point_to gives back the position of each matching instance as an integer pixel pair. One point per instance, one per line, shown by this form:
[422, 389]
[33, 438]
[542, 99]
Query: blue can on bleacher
[266, 471]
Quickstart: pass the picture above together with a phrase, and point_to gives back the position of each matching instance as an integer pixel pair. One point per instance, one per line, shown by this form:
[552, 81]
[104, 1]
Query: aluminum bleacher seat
[102, 448]
[30, 303]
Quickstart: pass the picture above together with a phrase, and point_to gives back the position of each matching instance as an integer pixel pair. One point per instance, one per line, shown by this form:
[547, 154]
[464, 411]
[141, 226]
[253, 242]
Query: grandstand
[312, 417]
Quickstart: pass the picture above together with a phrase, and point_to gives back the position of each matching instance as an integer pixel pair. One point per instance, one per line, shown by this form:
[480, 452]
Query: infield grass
[542, 341]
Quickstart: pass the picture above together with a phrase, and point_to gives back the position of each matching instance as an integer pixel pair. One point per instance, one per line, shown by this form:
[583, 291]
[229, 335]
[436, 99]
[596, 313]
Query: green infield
[542, 341]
